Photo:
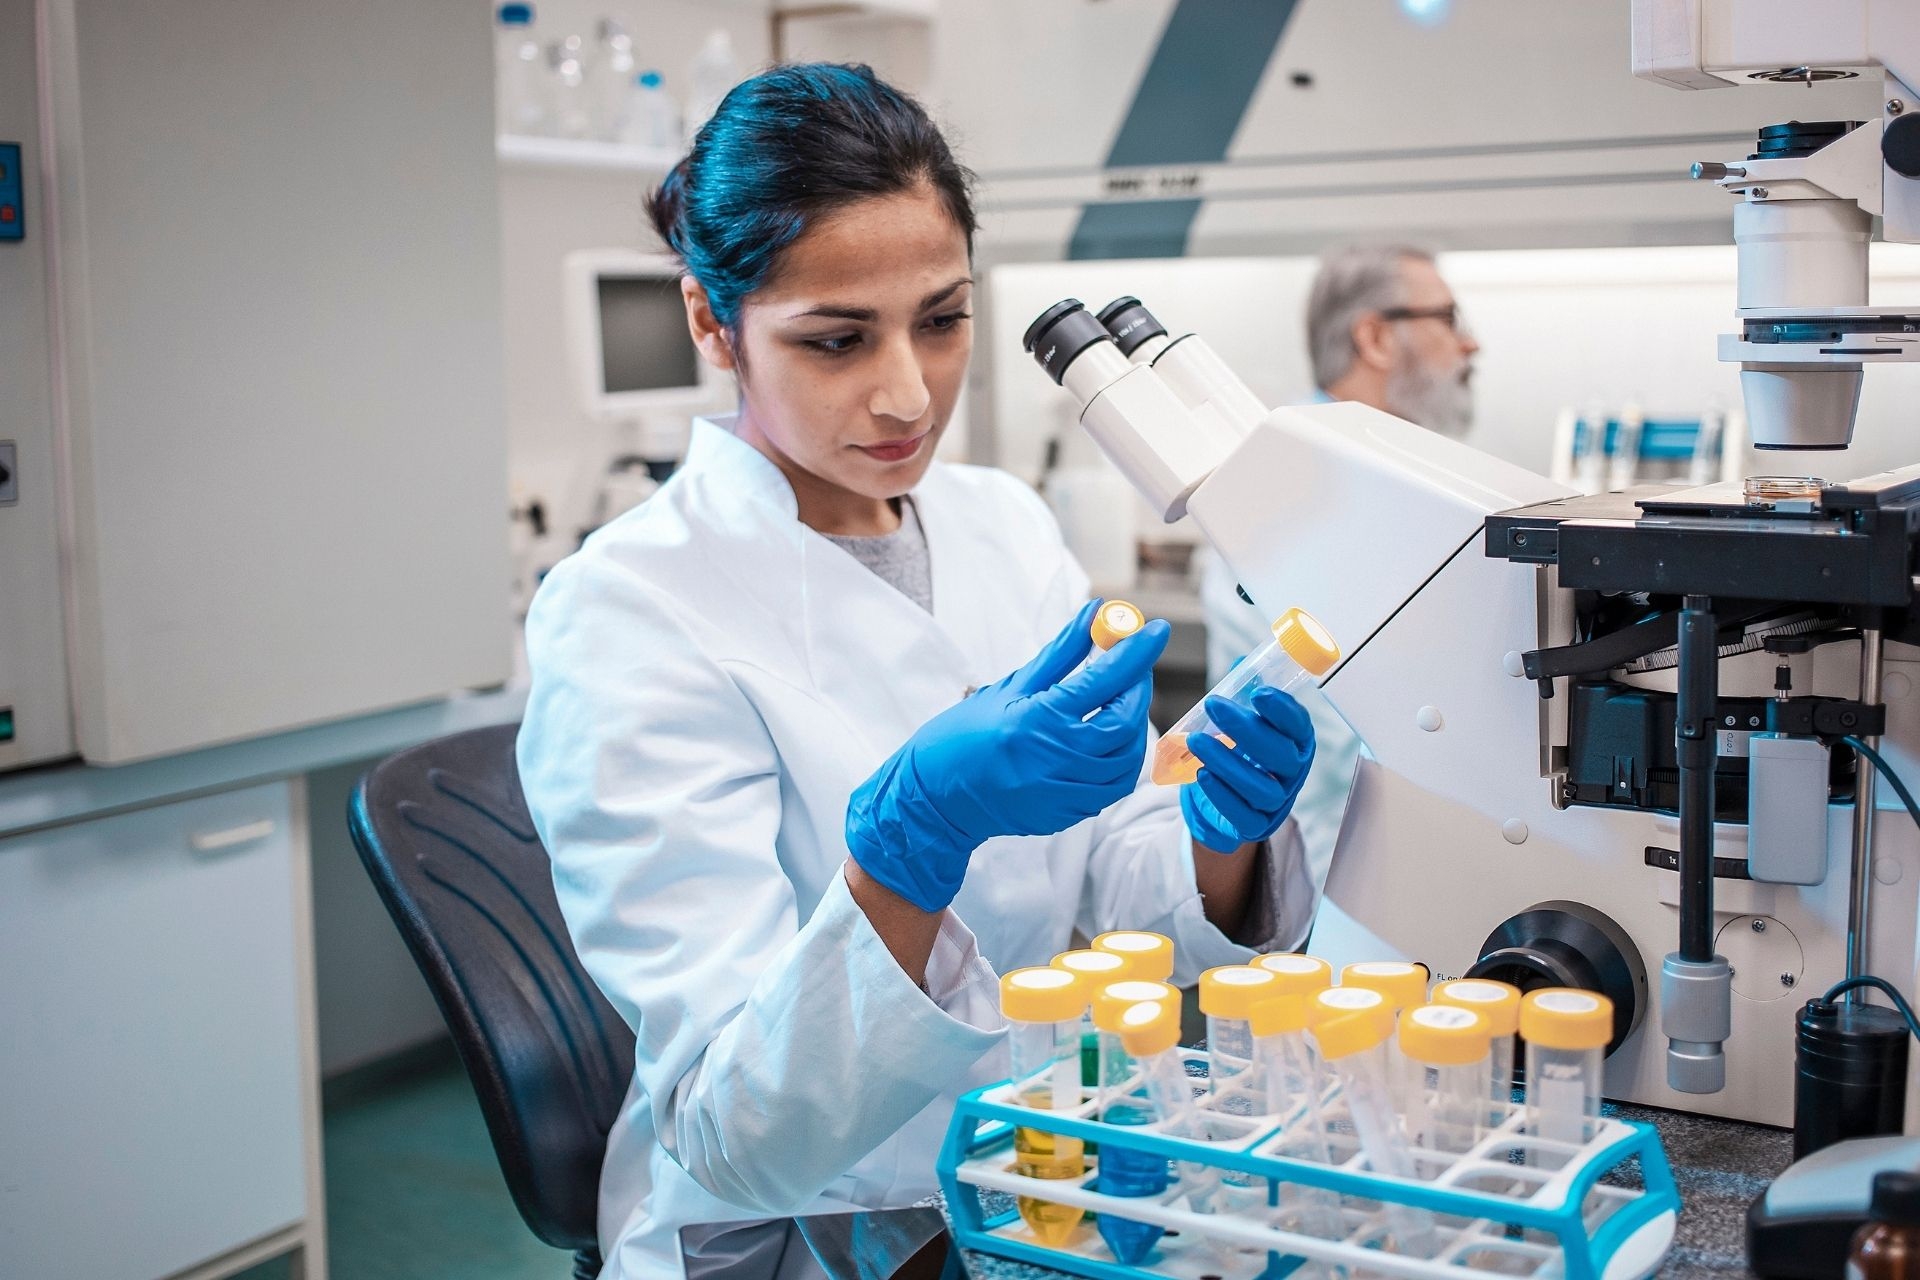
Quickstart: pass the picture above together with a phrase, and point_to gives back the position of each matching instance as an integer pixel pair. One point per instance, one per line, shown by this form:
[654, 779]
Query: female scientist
[799, 812]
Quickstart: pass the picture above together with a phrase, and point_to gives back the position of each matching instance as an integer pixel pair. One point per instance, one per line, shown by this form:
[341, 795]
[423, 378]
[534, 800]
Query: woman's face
[852, 354]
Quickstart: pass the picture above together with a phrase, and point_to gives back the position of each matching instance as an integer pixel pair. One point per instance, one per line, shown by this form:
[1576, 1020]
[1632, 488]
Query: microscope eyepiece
[1130, 323]
[1061, 333]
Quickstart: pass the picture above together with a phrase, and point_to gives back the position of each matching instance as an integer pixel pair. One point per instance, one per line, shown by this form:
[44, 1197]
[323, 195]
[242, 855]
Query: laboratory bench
[1720, 1166]
[163, 1059]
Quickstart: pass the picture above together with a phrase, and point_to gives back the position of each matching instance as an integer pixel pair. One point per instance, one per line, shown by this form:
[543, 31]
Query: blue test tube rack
[1513, 1205]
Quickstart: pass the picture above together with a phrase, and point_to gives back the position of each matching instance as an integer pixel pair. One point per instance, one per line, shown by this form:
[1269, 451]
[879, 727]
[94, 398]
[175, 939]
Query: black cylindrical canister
[1850, 1074]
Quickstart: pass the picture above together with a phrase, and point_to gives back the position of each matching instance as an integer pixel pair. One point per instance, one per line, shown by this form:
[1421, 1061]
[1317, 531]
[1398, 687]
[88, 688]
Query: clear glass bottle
[711, 76]
[519, 88]
[1499, 1003]
[572, 108]
[1300, 651]
[1566, 1031]
[610, 78]
[1447, 1045]
[653, 120]
[1043, 1007]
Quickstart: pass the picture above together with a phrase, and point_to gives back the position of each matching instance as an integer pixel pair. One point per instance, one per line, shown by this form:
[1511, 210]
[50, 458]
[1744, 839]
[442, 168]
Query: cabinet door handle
[212, 842]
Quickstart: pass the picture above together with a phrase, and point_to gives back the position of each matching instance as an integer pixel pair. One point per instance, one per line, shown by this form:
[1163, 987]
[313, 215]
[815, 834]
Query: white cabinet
[155, 1038]
[277, 315]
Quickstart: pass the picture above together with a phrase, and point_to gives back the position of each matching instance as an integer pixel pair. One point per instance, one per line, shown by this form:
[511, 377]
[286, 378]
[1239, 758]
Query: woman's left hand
[1244, 792]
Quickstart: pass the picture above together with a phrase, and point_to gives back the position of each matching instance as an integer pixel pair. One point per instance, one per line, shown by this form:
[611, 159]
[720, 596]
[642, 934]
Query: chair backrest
[444, 831]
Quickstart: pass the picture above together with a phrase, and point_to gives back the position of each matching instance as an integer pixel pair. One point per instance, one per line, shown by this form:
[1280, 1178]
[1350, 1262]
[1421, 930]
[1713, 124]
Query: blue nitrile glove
[1244, 792]
[1014, 759]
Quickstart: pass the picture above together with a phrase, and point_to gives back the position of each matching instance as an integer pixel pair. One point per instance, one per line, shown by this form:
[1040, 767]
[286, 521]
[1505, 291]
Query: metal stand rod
[1696, 986]
[1697, 746]
[1861, 868]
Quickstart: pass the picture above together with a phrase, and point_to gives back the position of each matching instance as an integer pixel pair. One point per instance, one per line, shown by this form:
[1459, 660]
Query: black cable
[1881, 985]
[1886, 771]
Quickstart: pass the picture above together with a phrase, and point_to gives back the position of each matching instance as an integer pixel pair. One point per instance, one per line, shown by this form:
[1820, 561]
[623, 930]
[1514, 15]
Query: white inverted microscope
[1606, 734]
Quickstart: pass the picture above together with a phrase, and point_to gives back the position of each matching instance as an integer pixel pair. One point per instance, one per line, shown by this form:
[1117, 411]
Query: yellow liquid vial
[1173, 764]
[1301, 650]
[1039, 1154]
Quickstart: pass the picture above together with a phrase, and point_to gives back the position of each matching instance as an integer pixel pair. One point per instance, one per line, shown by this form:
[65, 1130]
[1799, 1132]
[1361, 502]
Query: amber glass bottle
[1888, 1247]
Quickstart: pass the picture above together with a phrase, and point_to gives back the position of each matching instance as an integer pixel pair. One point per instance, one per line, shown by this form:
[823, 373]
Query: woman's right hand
[1032, 754]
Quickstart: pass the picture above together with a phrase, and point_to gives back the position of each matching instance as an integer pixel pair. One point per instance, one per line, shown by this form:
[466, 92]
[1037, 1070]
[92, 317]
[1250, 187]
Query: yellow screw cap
[1112, 1000]
[1498, 1002]
[1353, 1032]
[1444, 1035]
[1102, 967]
[1565, 1018]
[1402, 982]
[1306, 641]
[1278, 1015]
[1338, 1002]
[1042, 995]
[1150, 954]
[1150, 1027]
[1299, 975]
[1232, 990]
[1114, 621]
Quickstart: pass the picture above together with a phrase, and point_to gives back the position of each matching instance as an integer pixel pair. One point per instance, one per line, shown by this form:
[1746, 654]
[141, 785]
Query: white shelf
[909, 10]
[582, 155]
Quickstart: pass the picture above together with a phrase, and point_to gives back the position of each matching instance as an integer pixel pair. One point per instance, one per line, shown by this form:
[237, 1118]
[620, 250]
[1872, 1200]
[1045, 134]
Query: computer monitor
[627, 336]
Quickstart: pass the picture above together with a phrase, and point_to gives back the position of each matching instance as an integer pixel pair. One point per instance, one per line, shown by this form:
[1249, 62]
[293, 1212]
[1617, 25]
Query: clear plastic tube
[1300, 651]
[1125, 1100]
[1098, 968]
[1499, 1003]
[1227, 997]
[1176, 1114]
[1457, 1112]
[1296, 1085]
[1046, 1075]
[1567, 1032]
[1446, 1047]
[1563, 1093]
[1357, 1050]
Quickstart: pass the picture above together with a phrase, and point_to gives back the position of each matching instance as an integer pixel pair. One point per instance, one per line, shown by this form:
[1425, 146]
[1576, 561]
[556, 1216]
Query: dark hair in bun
[783, 148]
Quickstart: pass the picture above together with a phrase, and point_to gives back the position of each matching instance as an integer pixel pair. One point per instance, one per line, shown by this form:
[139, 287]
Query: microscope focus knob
[1900, 145]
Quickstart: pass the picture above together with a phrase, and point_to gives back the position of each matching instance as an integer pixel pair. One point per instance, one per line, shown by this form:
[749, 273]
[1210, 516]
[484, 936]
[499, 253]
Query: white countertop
[52, 795]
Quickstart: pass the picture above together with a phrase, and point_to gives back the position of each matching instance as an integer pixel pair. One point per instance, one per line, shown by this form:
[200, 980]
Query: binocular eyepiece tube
[1165, 411]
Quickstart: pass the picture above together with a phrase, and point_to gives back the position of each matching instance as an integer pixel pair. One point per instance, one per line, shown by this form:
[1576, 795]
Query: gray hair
[1353, 280]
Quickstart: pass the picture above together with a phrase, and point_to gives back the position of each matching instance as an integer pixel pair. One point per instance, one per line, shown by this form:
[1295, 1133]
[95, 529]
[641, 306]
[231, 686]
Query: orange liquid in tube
[1301, 650]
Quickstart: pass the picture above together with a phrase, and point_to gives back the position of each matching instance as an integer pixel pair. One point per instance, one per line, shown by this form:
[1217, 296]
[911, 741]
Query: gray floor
[413, 1192]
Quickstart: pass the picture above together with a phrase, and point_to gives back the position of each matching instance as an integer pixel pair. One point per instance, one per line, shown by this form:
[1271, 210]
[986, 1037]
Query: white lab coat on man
[711, 680]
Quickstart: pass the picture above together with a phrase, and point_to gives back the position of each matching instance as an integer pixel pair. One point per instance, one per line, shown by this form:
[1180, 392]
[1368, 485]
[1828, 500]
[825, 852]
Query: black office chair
[444, 831]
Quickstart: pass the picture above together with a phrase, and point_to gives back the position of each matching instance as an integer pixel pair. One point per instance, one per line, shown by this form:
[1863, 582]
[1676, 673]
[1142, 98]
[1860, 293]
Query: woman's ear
[709, 335]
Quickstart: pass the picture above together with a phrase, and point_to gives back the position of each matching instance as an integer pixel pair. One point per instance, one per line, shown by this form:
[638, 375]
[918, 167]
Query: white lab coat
[711, 679]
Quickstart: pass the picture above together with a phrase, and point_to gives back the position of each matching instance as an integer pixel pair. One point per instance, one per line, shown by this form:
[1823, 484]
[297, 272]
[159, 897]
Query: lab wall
[1557, 327]
[1564, 327]
[556, 452]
